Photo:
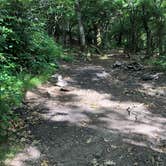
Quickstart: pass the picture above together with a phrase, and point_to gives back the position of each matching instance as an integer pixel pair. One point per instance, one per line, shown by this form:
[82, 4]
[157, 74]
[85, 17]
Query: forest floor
[108, 116]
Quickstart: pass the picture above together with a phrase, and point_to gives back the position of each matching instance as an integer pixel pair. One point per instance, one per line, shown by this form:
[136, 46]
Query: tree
[80, 23]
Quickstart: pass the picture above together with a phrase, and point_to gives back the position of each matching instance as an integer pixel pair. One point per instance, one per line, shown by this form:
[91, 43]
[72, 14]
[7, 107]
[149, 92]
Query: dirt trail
[108, 117]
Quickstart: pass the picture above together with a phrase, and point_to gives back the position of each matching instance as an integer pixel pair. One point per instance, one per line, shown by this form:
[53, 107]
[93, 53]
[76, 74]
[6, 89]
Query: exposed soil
[108, 117]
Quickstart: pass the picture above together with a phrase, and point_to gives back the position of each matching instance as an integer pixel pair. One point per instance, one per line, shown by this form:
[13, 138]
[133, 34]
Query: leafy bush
[45, 52]
[10, 95]
[25, 53]
[160, 63]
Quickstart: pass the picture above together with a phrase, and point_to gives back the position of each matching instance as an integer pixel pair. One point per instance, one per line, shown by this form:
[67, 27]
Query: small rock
[163, 143]
[102, 75]
[23, 139]
[89, 140]
[134, 66]
[117, 64]
[44, 163]
[106, 140]
[149, 77]
[109, 163]
[47, 94]
[54, 78]
[94, 162]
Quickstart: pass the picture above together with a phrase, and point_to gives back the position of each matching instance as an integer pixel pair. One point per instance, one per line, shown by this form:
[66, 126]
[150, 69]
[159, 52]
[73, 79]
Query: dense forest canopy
[134, 25]
[32, 33]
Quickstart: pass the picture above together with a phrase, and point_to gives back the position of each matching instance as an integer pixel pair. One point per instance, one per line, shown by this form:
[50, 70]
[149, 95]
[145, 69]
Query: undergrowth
[28, 56]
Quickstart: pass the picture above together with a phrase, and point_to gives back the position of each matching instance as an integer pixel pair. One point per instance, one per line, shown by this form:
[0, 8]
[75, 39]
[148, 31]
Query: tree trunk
[119, 42]
[160, 39]
[148, 33]
[80, 24]
[148, 44]
[133, 33]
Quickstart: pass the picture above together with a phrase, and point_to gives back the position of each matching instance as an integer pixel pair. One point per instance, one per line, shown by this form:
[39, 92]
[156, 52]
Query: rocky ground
[109, 112]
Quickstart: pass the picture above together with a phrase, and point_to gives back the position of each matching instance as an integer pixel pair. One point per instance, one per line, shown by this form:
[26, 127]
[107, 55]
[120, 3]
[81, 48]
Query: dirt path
[109, 117]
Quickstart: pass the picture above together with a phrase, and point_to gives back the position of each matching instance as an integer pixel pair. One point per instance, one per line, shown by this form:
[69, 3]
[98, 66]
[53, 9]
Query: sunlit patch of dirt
[152, 90]
[96, 110]
[28, 154]
[105, 114]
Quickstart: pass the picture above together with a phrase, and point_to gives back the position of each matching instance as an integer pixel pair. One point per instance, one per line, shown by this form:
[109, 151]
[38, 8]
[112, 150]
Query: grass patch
[30, 82]
[8, 147]
[8, 151]
[67, 56]
[13, 92]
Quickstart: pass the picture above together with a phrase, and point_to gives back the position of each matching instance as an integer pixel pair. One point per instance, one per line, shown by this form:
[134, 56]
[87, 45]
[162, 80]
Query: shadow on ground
[109, 117]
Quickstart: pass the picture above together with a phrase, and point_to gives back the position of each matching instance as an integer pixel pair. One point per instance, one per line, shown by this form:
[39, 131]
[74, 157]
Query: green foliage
[27, 52]
[160, 63]
[15, 27]
[45, 52]
[133, 25]
[9, 150]
[10, 95]
[27, 57]
[67, 58]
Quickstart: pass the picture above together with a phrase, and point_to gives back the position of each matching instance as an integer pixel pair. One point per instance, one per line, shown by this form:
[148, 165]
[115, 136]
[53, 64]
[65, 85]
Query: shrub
[161, 62]
[45, 52]
[10, 95]
[25, 54]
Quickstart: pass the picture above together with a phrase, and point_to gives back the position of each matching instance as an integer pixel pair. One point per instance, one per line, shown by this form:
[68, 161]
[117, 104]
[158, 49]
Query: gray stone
[149, 77]
[117, 64]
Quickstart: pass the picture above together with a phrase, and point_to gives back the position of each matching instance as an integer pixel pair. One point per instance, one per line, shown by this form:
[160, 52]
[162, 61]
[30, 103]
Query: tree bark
[133, 41]
[80, 24]
[148, 34]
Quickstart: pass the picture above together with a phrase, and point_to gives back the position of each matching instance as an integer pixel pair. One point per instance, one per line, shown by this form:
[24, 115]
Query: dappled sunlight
[153, 144]
[30, 153]
[89, 67]
[102, 113]
[153, 91]
[83, 82]
[92, 109]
